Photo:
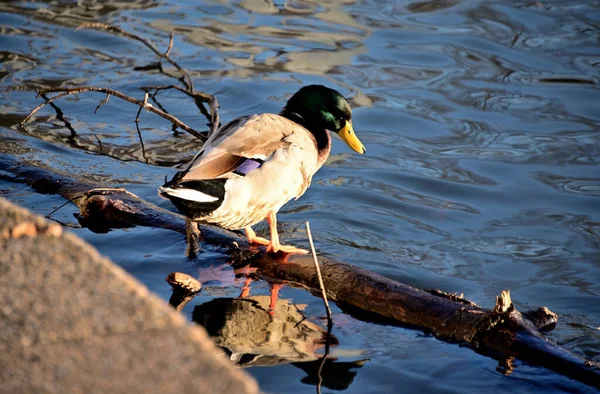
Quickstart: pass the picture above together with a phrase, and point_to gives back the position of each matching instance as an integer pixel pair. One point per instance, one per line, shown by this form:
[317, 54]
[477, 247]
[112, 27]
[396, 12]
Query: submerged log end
[184, 287]
[592, 364]
[543, 318]
[183, 282]
[503, 302]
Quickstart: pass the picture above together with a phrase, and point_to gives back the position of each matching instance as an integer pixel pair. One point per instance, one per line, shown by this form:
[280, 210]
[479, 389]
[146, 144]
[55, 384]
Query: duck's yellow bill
[347, 134]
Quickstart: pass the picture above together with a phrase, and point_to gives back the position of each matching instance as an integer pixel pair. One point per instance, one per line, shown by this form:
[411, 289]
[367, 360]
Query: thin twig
[316, 261]
[205, 97]
[145, 105]
[199, 97]
[66, 224]
[54, 210]
[137, 116]
[170, 44]
[326, 302]
[187, 81]
[102, 103]
[160, 106]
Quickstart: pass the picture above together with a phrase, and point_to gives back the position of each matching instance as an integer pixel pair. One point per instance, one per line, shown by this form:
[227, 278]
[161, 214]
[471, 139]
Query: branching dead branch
[170, 44]
[199, 98]
[186, 80]
[142, 103]
[103, 102]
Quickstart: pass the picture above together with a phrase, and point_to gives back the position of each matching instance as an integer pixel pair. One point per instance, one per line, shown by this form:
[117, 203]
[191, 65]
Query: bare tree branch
[321, 285]
[199, 98]
[170, 44]
[144, 104]
[103, 102]
[187, 81]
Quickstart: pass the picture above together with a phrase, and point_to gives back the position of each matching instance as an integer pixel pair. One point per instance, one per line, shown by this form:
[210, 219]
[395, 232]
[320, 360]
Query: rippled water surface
[482, 126]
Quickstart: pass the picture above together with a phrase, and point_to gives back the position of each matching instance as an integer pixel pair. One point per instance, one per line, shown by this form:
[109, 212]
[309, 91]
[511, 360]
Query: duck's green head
[321, 108]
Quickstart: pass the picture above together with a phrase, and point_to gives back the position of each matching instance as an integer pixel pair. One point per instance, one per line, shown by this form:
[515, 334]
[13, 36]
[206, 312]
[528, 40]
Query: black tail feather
[194, 209]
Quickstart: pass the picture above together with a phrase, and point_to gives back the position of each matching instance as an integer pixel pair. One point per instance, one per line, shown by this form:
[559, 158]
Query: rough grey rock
[71, 321]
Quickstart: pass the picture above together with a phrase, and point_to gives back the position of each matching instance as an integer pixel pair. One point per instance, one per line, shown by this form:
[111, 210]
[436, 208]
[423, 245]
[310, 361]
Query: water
[481, 124]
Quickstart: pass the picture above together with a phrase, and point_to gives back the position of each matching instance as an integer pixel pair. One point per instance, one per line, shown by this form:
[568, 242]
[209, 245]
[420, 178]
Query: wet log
[502, 332]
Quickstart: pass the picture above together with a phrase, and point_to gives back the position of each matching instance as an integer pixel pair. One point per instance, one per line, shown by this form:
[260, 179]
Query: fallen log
[501, 333]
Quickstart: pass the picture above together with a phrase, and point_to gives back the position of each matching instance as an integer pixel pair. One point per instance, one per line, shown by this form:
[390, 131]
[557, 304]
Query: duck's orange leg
[253, 239]
[274, 246]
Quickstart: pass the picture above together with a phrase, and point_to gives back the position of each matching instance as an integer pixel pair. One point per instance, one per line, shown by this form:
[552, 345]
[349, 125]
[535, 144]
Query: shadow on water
[481, 124]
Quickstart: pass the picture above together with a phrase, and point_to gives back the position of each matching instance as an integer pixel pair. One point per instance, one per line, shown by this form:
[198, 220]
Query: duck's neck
[321, 136]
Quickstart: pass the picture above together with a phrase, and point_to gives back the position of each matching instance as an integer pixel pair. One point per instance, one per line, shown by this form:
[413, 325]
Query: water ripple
[514, 247]
[585, 186]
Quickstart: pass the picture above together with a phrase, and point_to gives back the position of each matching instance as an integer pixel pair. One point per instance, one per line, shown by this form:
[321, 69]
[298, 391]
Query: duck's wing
[239, 147]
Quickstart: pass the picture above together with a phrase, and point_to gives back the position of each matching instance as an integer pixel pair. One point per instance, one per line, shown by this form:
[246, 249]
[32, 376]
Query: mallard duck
[250, 167]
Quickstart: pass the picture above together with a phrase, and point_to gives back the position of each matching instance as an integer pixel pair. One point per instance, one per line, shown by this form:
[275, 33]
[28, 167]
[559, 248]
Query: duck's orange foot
[259, 241]
[253, 239]
[288, 249]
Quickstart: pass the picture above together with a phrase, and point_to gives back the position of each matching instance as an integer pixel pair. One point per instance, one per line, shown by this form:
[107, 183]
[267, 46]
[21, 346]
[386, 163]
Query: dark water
[481, 121]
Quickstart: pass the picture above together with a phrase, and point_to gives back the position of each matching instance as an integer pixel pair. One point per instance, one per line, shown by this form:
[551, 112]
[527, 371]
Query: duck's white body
[247, 170]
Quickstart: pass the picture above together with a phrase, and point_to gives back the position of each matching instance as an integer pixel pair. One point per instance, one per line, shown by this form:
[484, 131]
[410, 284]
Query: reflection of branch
[139, 133]
[144, 104]
[60, 115]
[113, 151]
[186, 80]
[325, 354]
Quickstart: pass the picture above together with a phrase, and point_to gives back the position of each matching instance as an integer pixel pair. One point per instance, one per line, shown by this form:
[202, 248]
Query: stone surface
[73, 322]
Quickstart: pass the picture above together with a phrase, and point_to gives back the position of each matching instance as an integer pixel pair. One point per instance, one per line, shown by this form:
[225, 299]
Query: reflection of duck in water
[255, 331]
[253, 336]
